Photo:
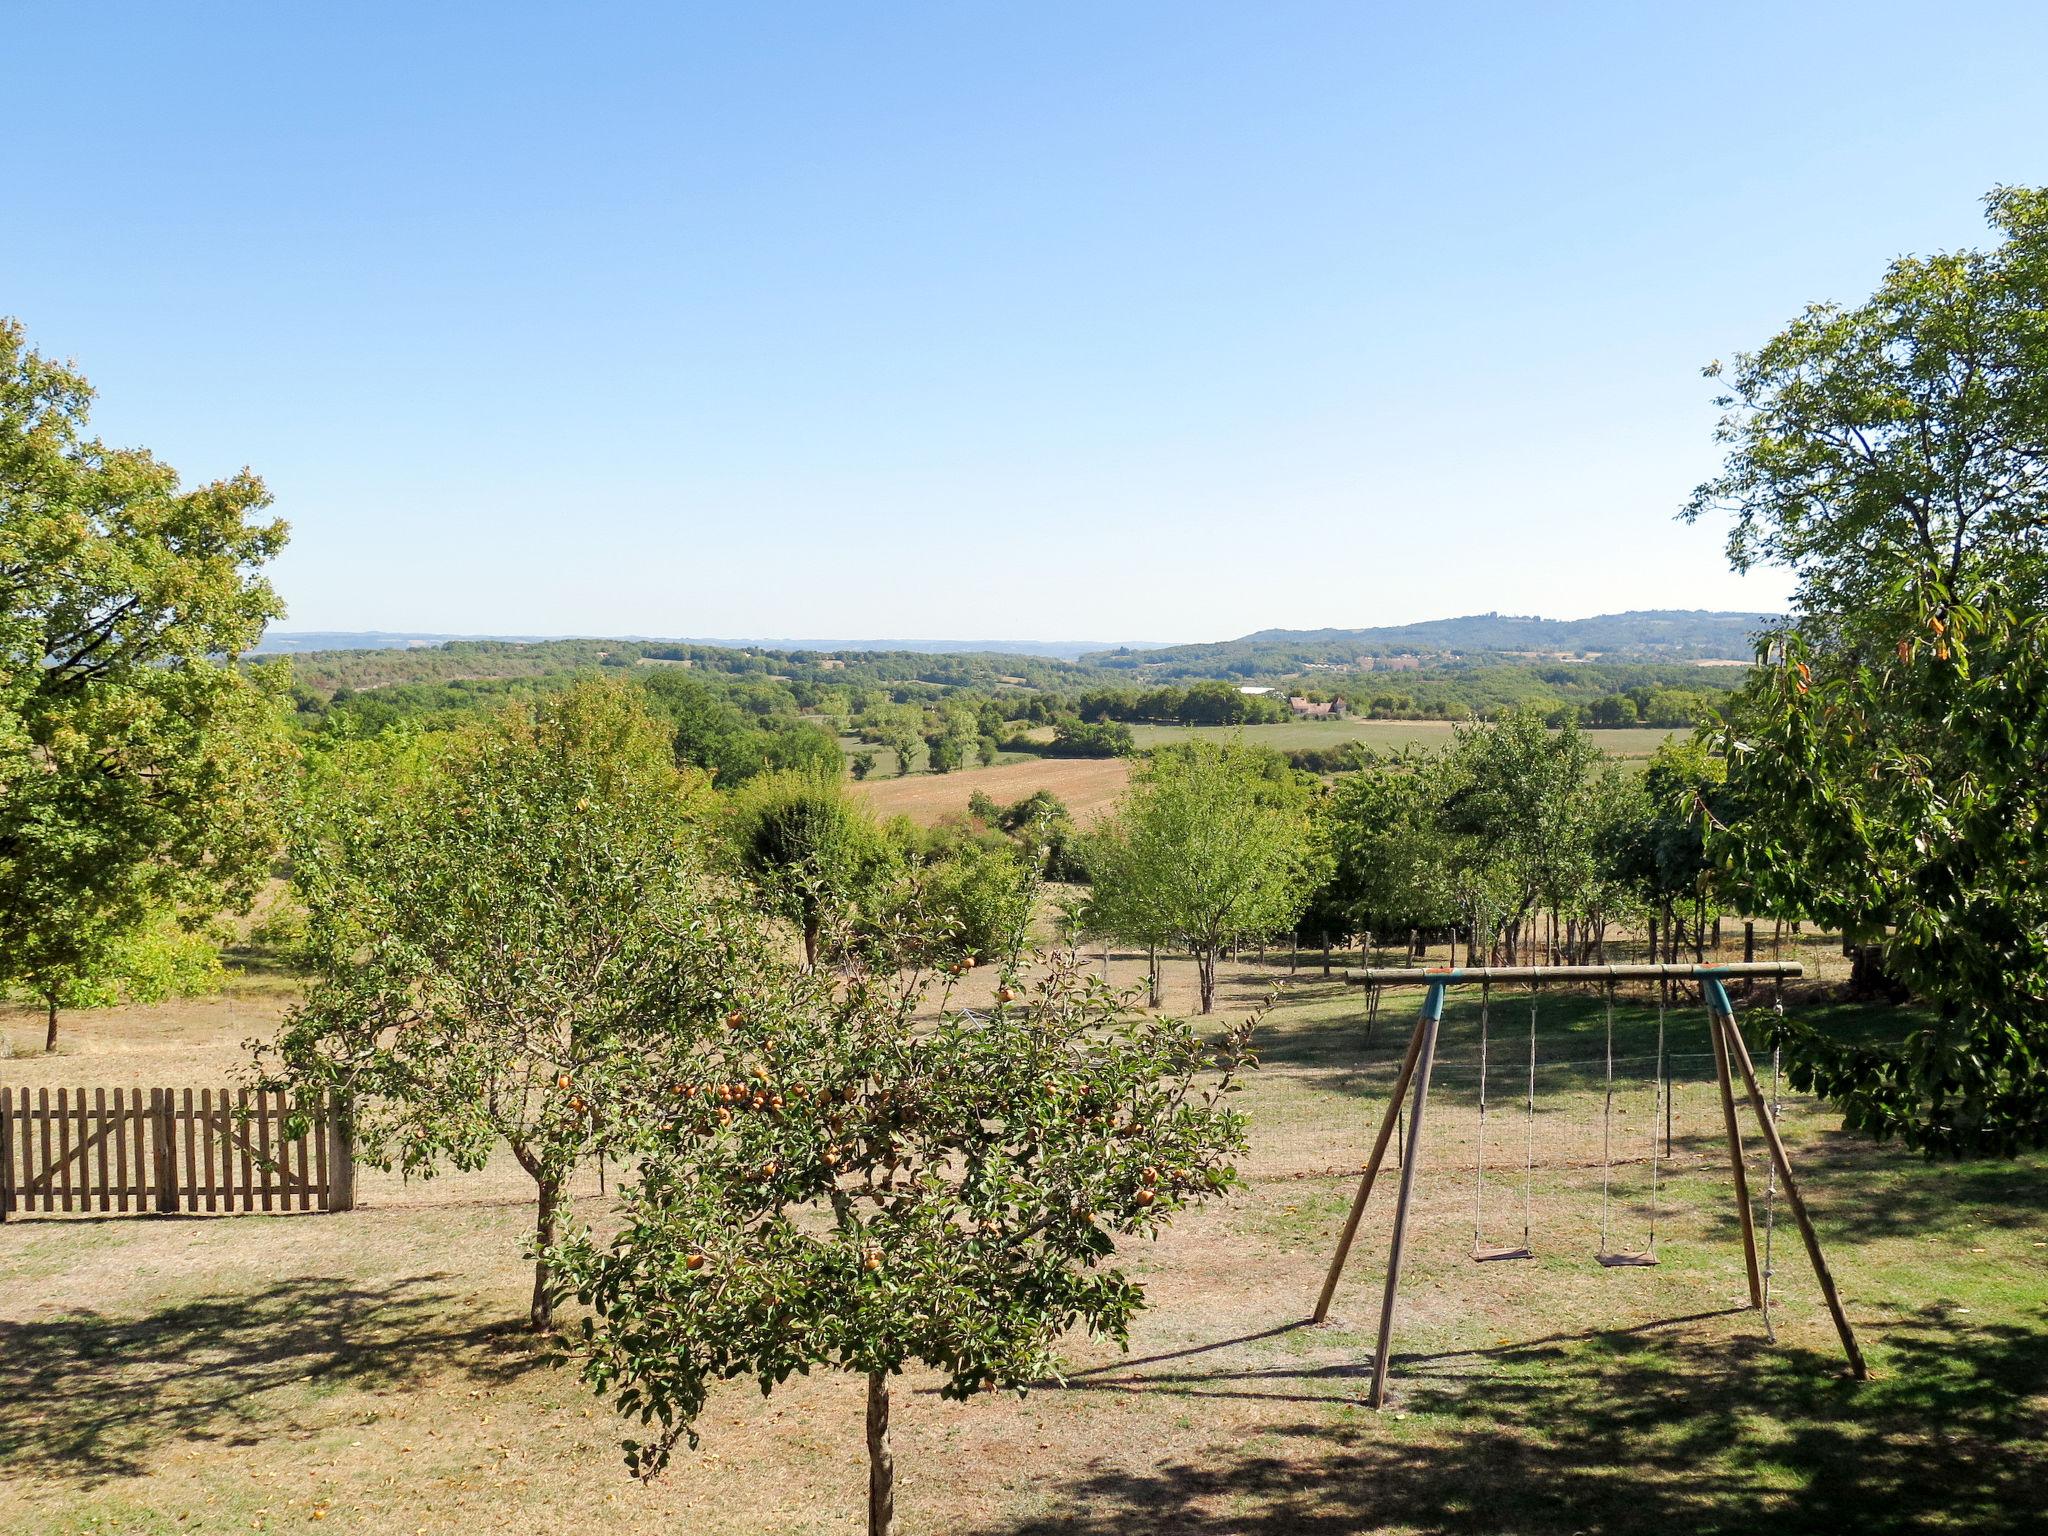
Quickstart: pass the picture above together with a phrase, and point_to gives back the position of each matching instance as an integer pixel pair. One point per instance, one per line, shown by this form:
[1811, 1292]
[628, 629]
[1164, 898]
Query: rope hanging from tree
[1482, 1251]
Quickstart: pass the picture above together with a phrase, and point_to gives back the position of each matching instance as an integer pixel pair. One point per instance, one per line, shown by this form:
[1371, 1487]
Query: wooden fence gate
[166, 1150]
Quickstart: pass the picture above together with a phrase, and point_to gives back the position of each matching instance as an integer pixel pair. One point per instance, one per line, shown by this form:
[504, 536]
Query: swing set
[1410, 1095]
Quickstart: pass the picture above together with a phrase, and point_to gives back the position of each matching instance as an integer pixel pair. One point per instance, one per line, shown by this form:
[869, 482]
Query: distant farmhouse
[1307, 709]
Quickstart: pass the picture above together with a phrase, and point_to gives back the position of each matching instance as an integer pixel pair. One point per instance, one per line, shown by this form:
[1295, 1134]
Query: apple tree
[502, 931]
[835, 1184]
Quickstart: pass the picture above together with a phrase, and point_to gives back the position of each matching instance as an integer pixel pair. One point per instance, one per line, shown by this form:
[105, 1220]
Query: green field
[1385, 735]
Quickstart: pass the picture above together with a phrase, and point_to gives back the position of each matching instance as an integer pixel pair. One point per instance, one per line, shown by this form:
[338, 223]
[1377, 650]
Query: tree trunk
[542, 1314]
[50, 1034]
[1326, 954]
[1869, 981]
[811, 926]
[881, 1460]
[1205, 966]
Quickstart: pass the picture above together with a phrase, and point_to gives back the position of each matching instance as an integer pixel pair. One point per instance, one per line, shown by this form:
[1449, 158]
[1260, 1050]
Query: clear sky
[1134, 321]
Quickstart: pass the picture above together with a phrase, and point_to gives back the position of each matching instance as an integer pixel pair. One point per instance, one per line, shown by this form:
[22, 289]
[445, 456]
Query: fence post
[164, 1131]
[6, 1152]
[341, 1161]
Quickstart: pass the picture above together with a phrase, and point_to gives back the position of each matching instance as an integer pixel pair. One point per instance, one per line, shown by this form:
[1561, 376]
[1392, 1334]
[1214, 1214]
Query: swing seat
[1628, 1260]
[1489, 1253]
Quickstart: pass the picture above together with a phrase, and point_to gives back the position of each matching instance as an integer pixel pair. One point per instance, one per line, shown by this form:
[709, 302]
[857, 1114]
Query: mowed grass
[1382, 735]
[368, 1373]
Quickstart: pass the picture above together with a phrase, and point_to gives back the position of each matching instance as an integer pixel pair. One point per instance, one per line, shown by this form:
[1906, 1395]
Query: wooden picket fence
[167, 1150]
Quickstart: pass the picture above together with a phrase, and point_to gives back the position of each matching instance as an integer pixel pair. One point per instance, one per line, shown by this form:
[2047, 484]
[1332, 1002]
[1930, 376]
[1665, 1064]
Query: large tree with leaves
[1885, 764]
[502, 930]
[837, 1181]
[140, 761]
[1879, 447]
[807, 847]
[1213, 842]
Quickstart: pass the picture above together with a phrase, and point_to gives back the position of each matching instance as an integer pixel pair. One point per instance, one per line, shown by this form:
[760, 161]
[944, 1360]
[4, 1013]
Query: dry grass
[1090, 786]
[365, 1373]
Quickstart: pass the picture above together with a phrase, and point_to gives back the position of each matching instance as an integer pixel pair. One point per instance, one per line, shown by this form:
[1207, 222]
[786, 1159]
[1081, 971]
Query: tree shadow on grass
[88, 1398]
[1617, 1433]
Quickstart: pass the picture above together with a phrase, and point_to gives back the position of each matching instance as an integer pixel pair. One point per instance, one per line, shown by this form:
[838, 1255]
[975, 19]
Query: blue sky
[1143, 321]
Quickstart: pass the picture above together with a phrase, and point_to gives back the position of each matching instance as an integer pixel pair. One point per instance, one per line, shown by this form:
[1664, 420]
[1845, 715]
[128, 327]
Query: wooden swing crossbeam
[1465, 975]
[1731, 1056]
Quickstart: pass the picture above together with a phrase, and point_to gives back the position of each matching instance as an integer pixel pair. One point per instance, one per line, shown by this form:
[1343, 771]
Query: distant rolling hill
[298, 642]
[1658, 634]
[295, 642]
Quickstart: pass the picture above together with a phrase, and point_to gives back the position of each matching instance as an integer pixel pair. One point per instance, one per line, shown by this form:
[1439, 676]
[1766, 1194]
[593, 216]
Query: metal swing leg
[1738, 1048]
[1741, 1173]
[1432, 1017]
[1372, 1168]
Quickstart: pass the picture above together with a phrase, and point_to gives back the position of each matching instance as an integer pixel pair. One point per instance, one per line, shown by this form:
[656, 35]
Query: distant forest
[742, 710]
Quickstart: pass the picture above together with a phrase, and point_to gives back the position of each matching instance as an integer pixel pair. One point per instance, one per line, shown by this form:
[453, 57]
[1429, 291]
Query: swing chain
[1607, 1130]
[1659, 1103]
[1479, 1141]
[1529, 1120]
[1771, 1198]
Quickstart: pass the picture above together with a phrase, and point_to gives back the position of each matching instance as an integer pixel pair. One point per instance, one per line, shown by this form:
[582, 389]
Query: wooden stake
[1432, 1016]
[341, 1157]
[164, 1129]
[1792, 1195]
[1372, 1169]
[1756, 1284]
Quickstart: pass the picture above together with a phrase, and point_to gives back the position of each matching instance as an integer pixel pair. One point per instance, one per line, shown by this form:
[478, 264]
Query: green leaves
[500, 927]
[140, 764]
[1214, 841]
[1907, 433]
[806, 847]
[1900, 799]
[833, 1185]
[1886, 761]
